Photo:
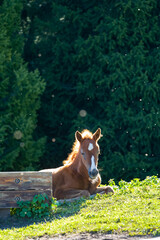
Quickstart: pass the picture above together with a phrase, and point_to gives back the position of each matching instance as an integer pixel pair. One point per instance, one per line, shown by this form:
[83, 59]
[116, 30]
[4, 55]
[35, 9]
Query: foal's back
[53, 170]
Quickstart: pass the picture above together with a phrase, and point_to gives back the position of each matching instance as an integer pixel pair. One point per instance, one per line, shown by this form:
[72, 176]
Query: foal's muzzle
[93, 174]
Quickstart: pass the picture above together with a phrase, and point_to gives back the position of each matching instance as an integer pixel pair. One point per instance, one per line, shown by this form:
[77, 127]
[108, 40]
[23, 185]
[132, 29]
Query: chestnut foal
[79, 175]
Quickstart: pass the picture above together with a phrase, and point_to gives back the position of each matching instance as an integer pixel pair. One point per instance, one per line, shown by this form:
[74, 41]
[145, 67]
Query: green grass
[133, 209]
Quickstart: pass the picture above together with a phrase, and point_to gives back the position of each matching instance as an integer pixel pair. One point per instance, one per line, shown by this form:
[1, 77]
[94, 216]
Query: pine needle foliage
[102, 57]
[20, 92]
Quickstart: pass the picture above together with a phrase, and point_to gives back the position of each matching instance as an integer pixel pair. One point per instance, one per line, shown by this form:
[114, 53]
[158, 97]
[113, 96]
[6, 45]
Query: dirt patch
[90, 236]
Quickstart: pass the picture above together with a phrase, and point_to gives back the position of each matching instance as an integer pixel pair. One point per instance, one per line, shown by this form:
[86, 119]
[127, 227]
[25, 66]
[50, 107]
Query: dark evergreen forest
[70, 65]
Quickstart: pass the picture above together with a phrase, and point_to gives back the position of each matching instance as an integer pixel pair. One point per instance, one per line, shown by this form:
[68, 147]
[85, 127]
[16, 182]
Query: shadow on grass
[63, 210]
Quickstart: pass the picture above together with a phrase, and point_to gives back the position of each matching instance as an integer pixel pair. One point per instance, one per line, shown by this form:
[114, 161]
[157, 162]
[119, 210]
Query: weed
[39, 207]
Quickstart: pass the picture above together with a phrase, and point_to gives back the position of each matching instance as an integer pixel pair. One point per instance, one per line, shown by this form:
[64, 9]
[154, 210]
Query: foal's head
[89, 150]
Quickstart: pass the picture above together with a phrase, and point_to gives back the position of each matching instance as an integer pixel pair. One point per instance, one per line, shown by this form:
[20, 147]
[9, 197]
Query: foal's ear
[97, 135]
[78, 136]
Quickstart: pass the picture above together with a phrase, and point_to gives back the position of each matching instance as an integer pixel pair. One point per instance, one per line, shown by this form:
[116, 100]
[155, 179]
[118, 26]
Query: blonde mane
[86, 134]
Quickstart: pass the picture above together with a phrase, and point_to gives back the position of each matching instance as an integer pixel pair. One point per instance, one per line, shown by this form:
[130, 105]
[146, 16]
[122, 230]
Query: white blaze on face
[93, 165]
[90, 146]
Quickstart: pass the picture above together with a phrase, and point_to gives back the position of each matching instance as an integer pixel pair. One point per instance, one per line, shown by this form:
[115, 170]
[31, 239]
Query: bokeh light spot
[18, 134]
[83, 113]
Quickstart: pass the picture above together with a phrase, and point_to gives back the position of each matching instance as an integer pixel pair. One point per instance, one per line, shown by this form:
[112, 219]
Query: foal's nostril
[94, 172]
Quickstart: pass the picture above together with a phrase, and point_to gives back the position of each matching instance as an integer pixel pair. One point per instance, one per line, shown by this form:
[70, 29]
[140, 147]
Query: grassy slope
[134, 208]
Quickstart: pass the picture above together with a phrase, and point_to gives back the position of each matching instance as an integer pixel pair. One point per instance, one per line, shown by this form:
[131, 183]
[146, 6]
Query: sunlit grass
[133, 209]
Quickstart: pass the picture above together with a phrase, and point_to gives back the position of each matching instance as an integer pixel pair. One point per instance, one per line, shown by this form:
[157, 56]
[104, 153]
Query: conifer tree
[20, 92]
[101, 57]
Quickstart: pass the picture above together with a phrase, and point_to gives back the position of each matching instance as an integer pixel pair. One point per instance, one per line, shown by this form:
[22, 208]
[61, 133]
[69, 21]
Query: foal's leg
[70, 193]
[94, 189]
[102, 190]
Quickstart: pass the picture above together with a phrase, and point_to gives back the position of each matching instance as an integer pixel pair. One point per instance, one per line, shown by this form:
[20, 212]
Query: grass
[133, 209]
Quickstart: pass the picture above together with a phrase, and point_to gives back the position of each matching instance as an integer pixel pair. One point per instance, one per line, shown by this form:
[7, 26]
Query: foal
[79, 175]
